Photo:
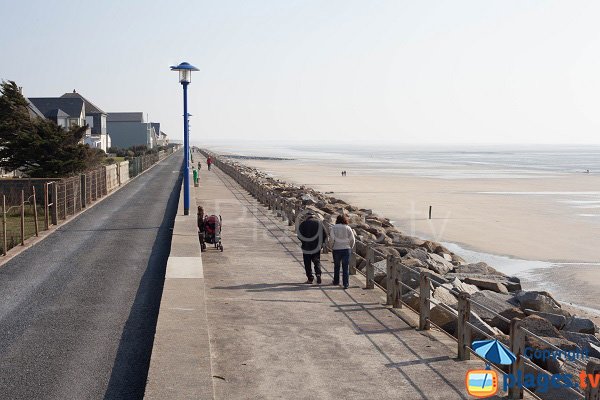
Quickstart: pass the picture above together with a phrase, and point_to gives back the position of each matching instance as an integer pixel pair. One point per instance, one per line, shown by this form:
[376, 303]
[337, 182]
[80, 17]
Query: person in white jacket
[341, 241]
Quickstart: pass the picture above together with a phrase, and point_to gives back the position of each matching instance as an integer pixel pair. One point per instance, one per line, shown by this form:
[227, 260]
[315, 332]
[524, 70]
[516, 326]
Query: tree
[37, 146]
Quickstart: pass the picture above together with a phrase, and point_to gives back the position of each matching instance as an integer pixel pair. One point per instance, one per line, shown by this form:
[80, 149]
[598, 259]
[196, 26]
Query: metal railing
[395, 288]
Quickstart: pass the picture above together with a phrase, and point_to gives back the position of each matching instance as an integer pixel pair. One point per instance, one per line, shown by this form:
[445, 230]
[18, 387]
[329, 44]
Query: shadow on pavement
[130, 369]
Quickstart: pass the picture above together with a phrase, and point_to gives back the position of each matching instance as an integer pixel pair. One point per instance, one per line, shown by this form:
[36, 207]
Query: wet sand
[548, 219]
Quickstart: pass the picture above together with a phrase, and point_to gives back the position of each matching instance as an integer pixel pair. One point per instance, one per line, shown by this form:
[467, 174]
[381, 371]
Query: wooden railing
[289, 209]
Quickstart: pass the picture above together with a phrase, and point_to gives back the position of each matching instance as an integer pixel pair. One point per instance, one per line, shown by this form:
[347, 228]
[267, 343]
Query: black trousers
[315, 259]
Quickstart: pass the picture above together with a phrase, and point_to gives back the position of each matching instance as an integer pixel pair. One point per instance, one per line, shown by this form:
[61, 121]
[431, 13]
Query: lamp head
[185, 71]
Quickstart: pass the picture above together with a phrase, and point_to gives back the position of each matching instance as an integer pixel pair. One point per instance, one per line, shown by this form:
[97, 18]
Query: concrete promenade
[272, 337]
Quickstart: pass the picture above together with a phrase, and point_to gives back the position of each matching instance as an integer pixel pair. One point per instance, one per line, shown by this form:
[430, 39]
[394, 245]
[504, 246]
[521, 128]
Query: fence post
[74, 197]
[65, 197]
[463, 328]
[46, 209]
[592, 369]
[22, 217]
[4, 240]
[424, 296]
[352, 264]
[390, 287]
[517, 346]
[35, 216]
[54, 203]
[397, 300]
[82, 192]
[370, 269]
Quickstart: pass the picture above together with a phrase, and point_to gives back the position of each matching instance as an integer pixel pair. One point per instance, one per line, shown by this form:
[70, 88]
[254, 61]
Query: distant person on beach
[199, 165]
[200, 224]
[312, 234]
[209, 162]
[341, 241]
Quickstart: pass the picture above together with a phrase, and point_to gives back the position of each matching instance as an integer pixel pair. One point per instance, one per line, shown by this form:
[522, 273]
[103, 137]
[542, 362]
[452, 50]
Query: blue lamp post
[185, 77]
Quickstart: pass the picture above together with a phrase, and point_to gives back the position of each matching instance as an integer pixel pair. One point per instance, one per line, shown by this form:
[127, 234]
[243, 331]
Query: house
[72, 109]
[66, 112]
[129, 129]
[96, 120]
[163, 139]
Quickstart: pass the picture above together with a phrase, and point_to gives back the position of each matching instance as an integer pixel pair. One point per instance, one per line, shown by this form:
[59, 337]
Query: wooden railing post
[592, 369]
[463, 332]
[424, 300]
[35, 215]
[517, 346]
[352, 263]
[22, 217]
[398, 290]
[370, 269]
[390, 277]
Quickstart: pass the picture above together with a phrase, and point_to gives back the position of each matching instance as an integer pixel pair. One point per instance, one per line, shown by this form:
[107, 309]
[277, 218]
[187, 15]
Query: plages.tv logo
[485, 383]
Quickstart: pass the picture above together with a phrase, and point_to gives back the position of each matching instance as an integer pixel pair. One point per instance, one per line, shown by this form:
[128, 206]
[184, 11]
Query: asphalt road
[78, 311]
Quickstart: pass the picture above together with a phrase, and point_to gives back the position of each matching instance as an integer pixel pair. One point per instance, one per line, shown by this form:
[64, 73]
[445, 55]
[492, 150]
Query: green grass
[13, 228]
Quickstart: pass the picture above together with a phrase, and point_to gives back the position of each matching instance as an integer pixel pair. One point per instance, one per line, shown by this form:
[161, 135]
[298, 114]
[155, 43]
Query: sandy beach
[543, 219]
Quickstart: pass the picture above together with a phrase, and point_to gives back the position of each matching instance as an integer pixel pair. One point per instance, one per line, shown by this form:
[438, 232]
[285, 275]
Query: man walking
[312, 234]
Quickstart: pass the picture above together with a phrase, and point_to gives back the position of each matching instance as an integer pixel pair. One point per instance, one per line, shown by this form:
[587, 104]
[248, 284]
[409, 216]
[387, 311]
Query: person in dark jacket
[200, 223]
[313, 235]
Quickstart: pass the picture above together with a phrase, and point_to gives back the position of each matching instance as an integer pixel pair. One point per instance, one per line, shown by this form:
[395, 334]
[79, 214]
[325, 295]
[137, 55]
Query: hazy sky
[403, 71]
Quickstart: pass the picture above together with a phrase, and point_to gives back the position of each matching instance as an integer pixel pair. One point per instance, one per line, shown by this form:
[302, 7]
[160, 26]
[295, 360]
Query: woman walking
[341, 241]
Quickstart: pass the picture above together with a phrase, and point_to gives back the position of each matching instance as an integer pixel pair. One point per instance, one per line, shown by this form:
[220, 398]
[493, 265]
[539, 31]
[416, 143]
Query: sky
[326, 71]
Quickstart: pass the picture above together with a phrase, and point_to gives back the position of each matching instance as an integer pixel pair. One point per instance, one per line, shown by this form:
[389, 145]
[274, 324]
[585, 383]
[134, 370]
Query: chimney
[21, 89]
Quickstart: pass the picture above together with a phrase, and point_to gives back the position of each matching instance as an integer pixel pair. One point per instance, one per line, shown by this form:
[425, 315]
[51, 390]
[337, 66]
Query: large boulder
[588, 343]
[479, 268]
[498, 302]
[444, 295]
[540, 326]
[487, 284]
[361, 249]
[538, 301]
[580, 325]
[499, 320]
[511, 284]
[439, 264]
[460, 286]
[557, 320]
[447, 320]
[419, 254]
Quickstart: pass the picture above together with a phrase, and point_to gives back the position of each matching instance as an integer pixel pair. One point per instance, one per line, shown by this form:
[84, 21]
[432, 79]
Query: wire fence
[30, 206]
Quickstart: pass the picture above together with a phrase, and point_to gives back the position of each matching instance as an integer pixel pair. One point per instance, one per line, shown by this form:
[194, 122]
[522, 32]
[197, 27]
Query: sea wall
[432, 280]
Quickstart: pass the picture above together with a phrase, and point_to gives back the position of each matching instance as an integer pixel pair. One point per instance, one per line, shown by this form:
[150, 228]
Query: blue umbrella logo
[494, 352]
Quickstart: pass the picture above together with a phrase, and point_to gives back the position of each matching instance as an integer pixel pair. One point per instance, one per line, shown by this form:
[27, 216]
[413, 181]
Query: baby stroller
[212, 231]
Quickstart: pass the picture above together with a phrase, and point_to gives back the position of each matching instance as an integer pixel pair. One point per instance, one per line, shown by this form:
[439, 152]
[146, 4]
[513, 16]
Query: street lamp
[185, 77]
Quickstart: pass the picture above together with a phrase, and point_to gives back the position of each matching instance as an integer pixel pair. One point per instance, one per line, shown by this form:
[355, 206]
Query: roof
[33, 110]
[49, 105]
[125, 117]
[156, 126]
[90, 108]
[58, 113]
[163, 134]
